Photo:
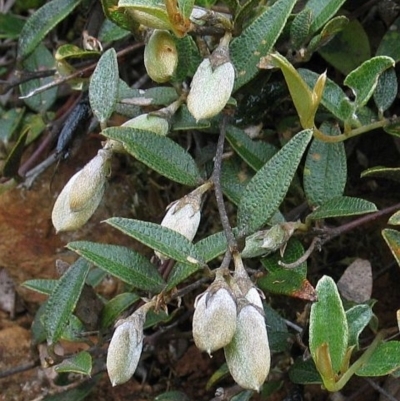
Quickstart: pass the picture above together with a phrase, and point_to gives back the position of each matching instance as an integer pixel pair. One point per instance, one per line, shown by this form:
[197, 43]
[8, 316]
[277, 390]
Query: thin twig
[315, 242]
[216, 179]
[381, 390]
[79, 73]
[18, 369]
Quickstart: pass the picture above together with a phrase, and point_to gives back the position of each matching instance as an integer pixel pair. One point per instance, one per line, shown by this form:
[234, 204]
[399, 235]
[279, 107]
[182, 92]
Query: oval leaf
[161, 239]
[342, 206]
[42, 286]
[41, 22]
[325, 170]
[328, 324]
[267, 189]
[159, 153]
[384, 360]
[121, 262]
[322, 11]
[113, 308]
[64, 298]
[358, 318]
[80, 363]
[258, 39]
[386, 90]
[363, 80]
[103, 87]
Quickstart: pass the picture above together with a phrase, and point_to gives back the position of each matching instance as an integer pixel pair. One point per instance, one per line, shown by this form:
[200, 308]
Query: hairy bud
[125, 348]
[268, 241]
[160, 56]
[80, 197]
[214, 319]
[212, 84]
[248, 354]
[183, 215]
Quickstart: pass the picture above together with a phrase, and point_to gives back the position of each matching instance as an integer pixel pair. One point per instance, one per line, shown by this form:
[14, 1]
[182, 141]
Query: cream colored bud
[214, 319]
[183, 216]
[82, 194]
[149, 122]
[160, 56]
[248, 355]
[210, 89]
[125, 349]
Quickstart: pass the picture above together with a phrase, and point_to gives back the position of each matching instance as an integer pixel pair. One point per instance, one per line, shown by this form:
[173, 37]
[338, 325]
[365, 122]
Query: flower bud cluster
[232, 317]
[82, 194]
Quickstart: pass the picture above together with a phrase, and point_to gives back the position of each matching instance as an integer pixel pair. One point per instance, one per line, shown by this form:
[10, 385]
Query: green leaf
[300, 28]
[103, 87]
[80, 363]
[291, 282]
[363, 79]
[267, 189]
[234, 179]
[304, 372]
[41, 23]
[395, 219]
[322, 11]
[113, 308]
[64, 298]
[121, 262]
[243, 396]
[10, 122]
[389, 173]
[186, 7]
[257, 40]
[209, 247]
[188, 58]
[277, 330]
[305, 100]
[328, 324]
[384, 360]
[118, 15]
[161, 239]
[358, 318]
[110, 32]
[390, 43]
[333, 97]
[386, 90]
[352, 40]
[254, 153]
[67, 51]
[40, 59]
[10, 26]
[13, 160]
[342, 206]
[183, 121]
[392, 238]
[159, 153]
[151, 13]
[42, 286]
[325, 170]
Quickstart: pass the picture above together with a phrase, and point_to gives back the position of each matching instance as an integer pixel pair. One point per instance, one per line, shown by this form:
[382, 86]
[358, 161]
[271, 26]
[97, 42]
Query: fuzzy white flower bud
[248, 355]
[183, 215]
[214, 319]
[82, 194]
[160, 56]
[125, 349]
[212, 84]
